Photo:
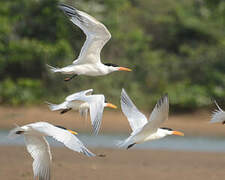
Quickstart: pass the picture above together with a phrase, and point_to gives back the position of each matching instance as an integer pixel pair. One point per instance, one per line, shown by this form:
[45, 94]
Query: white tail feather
[55, 107]
[53, 69]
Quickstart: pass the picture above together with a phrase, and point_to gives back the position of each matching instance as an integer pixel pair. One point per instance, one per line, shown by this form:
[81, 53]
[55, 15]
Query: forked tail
[55, 107]
[53, 69]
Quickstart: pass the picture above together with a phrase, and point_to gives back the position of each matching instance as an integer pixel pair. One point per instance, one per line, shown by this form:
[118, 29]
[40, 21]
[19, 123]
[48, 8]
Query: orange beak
[111, 105]
[73, 132]
[178, 133]
[124, 69]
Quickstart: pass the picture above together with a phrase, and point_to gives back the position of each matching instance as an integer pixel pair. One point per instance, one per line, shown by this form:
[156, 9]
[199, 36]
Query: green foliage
[172, 46]
[24, 91]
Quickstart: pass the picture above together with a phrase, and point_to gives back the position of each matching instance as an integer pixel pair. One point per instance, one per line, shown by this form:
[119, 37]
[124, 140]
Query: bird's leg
[19, 132]
[69, 78]
[65, 110]
[130, 145]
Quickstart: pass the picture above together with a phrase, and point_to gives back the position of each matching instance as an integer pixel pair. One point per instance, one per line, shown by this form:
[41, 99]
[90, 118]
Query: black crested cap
[60, 127]
[111, 64]
[64, 128]
[166, 128]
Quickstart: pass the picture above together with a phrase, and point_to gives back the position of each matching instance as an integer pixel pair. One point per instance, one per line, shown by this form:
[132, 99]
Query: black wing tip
[162, 99]
[63, 6]
[96, 130]
[165, 95]
[87, 153]
[70, 11]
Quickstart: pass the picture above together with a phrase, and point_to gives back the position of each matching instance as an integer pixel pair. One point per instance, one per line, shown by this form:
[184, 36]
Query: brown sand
[16, 164]
[113, 121]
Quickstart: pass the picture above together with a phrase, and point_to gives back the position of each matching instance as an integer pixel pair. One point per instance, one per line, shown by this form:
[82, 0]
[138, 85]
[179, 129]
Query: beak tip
[125, 69]
[111, 106]
[178, 133]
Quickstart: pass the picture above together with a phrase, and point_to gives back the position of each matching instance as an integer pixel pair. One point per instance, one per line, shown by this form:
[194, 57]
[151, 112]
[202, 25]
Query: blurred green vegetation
[174, 46]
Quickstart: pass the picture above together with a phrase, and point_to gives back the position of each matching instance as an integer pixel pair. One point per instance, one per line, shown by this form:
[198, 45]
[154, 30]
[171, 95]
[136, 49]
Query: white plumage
[84, 101]
[38, 147]
[218, 115]
[142, 129]
[97, 35]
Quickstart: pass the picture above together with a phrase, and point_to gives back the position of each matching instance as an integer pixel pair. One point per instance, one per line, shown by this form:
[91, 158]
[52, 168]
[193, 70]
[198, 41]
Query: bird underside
[65, 110]
[69, 78]
[223, 122]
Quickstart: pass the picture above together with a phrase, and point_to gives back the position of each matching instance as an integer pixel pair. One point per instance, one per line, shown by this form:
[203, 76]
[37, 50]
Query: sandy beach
[113, 121]
[118, 164]
[121, 164]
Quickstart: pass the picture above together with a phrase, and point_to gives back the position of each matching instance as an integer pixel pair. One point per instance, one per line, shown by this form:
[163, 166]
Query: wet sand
[16, 162]
[113, 121]
[118, 164]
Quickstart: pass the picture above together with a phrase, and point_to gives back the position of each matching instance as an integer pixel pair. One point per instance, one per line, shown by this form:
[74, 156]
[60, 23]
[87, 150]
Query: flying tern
[218, 115]
[89, 61]
[142, 129]
[84, 101]
[38, 147]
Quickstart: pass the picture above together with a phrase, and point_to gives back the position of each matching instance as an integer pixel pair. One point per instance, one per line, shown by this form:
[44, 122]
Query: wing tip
[70, 11]
[87, 152]
[163, 99]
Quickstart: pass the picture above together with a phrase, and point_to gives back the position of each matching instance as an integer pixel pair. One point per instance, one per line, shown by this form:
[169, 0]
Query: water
[174, 143]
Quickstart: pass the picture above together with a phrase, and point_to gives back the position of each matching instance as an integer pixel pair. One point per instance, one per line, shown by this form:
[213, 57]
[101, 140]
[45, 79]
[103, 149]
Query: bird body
[38, 147]
[84, 101]
[97, 35]
[86, 69]
[142, 129]
[218, 115]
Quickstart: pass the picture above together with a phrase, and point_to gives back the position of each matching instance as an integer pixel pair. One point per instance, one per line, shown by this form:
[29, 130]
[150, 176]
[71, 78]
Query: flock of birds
[89, 63]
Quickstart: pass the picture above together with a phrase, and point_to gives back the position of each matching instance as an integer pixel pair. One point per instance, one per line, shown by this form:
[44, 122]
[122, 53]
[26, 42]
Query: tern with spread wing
[143, 129]
[218, 115]
[38, 147]
[89, 61]
[84, 101]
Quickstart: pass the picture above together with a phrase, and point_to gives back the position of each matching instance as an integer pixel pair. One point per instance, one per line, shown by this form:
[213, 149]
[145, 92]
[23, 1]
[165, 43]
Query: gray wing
[39, 149]
[218, 115]
[97, 35]
[78, 95]
[135, 118]
[159, 115]
[63, 136]
[96, 103]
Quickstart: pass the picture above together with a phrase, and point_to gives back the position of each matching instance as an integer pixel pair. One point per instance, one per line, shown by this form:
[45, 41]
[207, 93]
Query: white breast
[75, 105]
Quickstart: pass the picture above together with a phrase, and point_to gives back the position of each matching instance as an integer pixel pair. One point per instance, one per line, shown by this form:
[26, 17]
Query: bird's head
[115, 67]
[169, 131]
[109, 105]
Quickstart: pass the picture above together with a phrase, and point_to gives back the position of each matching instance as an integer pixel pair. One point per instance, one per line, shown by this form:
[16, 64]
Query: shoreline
[192, 124]
[118, 164]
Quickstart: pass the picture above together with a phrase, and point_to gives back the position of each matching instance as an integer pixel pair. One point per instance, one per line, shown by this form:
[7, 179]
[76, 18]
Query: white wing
[97, 35]
[78, 95]
[159, 115]
[218, 115]
[61, 135]
[96, 103]
[136, 119]
[39, 149]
